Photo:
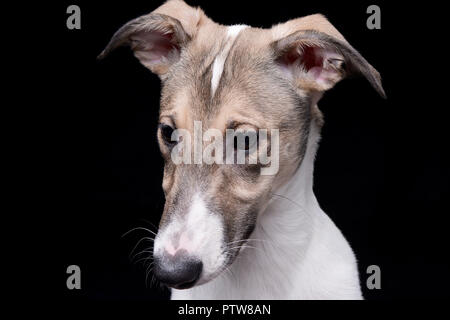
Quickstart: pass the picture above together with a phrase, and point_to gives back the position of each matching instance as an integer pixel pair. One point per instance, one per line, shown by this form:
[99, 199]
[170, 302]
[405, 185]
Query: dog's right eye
[166, 134]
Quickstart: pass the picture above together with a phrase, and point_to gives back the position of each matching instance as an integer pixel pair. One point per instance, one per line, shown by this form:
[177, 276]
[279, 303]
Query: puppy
[228, 231]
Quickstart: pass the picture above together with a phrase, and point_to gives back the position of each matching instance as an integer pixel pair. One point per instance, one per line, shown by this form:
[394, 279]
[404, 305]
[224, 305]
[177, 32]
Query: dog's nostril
[179, 271]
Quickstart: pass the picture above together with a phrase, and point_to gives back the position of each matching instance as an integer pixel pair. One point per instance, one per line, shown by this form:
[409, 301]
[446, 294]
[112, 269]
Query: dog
[227, 231]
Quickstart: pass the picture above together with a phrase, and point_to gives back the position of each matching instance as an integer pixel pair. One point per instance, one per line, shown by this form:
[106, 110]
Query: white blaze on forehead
[198, 231]
[232, 33]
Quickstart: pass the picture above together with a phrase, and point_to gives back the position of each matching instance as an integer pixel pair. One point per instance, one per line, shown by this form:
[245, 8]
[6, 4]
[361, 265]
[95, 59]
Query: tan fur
[316, 22]
[189, 17]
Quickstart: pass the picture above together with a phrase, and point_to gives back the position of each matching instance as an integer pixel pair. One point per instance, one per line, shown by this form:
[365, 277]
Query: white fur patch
[199, 232]
[232, 33]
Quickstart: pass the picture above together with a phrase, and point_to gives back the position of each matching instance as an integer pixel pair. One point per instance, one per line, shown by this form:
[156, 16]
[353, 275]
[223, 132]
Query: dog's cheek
[238, 228]
[238, 217]
[168, 177]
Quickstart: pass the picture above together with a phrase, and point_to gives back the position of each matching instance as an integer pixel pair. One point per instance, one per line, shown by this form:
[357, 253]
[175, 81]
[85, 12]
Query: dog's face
[230, 78]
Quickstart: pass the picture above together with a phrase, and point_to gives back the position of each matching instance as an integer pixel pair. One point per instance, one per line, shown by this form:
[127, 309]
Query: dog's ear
[158, 38]
[315, 56]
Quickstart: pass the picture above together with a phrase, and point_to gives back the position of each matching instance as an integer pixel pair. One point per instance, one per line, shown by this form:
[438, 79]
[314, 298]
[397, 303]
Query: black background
[381, 172]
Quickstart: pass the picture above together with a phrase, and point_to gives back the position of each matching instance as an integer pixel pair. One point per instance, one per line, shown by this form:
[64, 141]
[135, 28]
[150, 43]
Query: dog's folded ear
[315, 56]
[158, 38]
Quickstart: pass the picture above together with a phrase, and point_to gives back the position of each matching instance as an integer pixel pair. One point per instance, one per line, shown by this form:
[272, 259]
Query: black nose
[179, 271]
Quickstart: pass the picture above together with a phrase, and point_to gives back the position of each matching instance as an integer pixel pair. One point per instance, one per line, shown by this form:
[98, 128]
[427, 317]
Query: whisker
[143, 259]
[139, 228]
[139, 253]
[147, 272]
[246, 240]
[150, 223]
[228, 270]
[137, 244]
[290, 200]
[301, 207]
[246, 246]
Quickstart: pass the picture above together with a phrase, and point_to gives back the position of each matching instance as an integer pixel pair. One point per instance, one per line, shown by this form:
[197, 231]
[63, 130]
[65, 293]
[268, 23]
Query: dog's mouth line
[186, 285]
[230, 258]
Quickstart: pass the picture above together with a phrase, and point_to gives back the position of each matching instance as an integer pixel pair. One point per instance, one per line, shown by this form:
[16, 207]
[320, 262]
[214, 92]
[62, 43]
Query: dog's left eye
[166, 134]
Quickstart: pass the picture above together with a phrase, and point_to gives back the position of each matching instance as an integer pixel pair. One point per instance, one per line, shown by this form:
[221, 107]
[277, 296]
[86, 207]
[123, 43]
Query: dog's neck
[287, 220]
[299, 188]
[286, 227]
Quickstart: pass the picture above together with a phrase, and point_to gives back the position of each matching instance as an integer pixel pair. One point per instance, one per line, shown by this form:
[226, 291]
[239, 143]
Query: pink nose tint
[183, 243]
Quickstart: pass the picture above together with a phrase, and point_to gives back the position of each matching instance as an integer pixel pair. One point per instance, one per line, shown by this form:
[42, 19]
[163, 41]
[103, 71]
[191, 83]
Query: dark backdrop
[380, 174]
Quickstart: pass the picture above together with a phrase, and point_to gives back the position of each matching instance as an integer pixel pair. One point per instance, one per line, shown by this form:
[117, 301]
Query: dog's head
[225, 78]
